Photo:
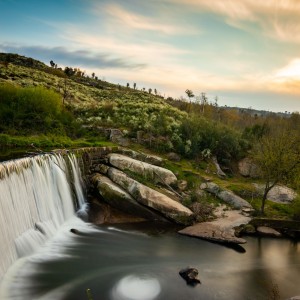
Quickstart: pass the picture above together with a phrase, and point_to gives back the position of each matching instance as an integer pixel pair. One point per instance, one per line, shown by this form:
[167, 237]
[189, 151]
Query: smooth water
[142, 261]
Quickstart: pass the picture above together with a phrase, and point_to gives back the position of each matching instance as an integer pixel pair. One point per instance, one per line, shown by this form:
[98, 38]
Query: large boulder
[248, 168]
[120, 199]
[155, 173]
[151, 198]
[279, 193]
[225, 195]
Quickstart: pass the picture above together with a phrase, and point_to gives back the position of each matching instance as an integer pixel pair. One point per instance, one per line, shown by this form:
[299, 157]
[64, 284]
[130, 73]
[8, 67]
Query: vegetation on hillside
[51, 106]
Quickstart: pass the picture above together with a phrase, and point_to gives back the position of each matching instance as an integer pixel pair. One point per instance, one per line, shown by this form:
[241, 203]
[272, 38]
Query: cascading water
[35, 200]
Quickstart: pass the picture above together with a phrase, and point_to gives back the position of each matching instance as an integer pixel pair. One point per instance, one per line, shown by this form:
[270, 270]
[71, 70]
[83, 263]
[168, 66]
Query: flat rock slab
[263, 230]
[212, 232]
[220, 230]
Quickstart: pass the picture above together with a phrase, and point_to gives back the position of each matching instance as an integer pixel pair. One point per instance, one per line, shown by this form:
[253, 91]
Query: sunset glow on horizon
[245, 52]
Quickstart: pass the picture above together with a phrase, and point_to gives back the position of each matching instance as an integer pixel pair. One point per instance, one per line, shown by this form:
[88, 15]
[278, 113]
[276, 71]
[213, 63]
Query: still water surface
[142, 261]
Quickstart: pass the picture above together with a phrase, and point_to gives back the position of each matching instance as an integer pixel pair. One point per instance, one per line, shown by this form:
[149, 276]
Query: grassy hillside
[47, 107]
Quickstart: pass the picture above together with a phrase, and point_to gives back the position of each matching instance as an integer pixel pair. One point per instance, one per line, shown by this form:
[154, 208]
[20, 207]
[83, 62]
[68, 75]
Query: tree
[190, 94]
[134, 86]
[204, 101]
[150, 91]
[278, 156]
[52, 63]
[127, 85]
[93, 75]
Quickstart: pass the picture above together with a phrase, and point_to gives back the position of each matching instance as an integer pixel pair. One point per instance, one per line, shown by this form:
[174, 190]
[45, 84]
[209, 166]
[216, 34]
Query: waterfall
[35, 200]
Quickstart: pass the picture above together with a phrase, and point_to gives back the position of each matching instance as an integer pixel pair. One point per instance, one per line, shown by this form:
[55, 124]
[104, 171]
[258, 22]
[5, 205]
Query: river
[141, 262]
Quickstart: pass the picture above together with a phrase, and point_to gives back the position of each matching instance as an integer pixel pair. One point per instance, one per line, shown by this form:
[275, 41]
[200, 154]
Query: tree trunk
[263, 202]
[268, 187]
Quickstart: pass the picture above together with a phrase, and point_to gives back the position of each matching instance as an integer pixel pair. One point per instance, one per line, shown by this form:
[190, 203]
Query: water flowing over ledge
[36, 198]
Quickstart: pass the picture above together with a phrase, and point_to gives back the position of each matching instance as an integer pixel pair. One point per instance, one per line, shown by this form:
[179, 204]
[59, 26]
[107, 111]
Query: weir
[36, 198]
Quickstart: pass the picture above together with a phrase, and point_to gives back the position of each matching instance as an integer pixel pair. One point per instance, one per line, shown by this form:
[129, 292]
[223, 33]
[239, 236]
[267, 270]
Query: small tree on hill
[190, 94]
[134, 86]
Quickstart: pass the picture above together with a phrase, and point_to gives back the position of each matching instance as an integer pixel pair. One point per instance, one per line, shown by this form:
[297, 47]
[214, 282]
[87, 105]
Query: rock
[279, 193]
[220, 230]
[103, 169]
[182, 185]
[225, 195]
[212, 232]
[151, 159]
[220, 172]
[155, 173]
[232, 199]
[173, 156]
[115, 135]
[190, 276]
[151, 198]
[139, 136]
[248, 229]
[263, 230]
[210, 187]
[120, 199]
[75, 231]
[248, 169]
[294, 298]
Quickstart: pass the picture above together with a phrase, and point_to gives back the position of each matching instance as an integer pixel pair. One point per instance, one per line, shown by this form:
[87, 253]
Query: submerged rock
[190, 276]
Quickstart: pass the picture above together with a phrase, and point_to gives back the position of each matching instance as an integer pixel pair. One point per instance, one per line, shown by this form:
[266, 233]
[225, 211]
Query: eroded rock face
[225, 195]
[248, 169]
[120, 199]
[151, 198]
[157, 174]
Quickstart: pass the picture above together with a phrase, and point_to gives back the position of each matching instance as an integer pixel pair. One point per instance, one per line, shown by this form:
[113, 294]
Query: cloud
[84, 58]
[122, 18]
[290, 71]
[277, 19]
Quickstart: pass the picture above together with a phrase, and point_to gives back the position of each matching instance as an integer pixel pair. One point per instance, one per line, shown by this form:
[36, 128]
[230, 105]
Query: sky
[245, 52]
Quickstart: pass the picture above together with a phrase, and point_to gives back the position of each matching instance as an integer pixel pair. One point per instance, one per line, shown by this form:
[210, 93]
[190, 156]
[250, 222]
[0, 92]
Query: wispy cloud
[82, 57]
[277, 19]
[122, 18]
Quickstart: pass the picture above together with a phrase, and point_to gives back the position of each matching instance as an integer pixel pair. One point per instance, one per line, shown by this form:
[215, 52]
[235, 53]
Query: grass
[44, 142]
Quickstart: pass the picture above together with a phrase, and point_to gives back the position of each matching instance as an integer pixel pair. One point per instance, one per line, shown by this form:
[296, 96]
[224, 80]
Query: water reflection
[136, 287]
